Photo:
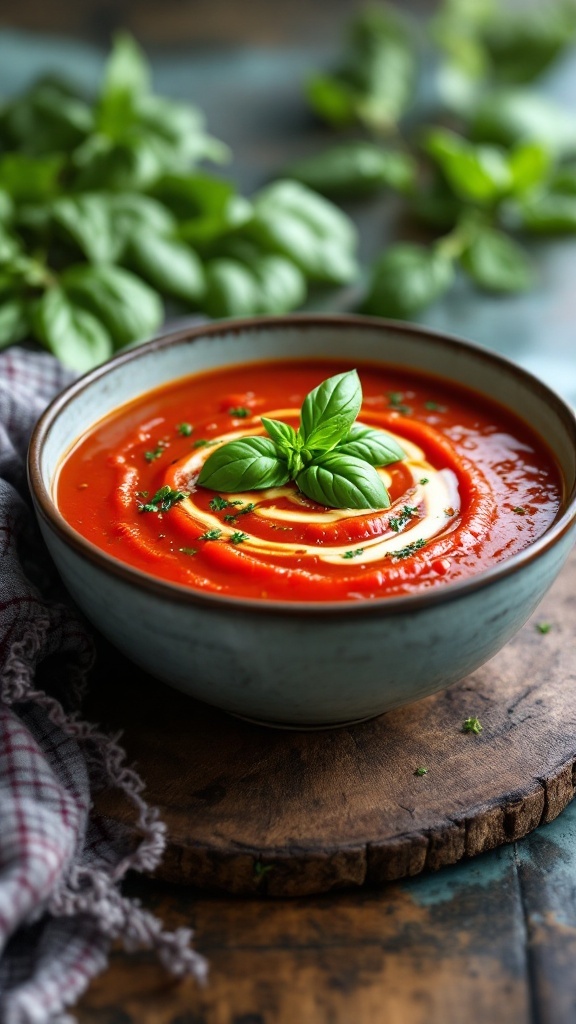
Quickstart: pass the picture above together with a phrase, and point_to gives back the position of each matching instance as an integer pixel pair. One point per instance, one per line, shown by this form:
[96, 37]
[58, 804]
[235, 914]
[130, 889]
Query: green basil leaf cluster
[104, 216]
[506, 117]
[330, 457]
[489, 43]
[374, 82]
[505, 168]
[357, 168]
[407, 278]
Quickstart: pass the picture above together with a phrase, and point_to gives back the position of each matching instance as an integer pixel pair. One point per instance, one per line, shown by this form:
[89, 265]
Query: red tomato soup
[476, 487]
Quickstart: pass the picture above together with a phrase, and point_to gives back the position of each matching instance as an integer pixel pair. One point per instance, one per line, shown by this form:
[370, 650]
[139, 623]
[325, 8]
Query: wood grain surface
[347, 958]
[281, 813]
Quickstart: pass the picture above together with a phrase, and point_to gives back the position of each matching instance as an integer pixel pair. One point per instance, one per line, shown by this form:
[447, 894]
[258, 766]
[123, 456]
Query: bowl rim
[180, 593]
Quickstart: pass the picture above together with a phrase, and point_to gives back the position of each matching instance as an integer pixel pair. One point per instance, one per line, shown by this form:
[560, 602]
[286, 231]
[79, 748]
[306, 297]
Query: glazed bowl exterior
[303, 664]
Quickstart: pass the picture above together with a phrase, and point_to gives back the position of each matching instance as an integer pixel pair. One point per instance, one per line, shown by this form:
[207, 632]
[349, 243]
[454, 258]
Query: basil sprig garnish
[331, 458]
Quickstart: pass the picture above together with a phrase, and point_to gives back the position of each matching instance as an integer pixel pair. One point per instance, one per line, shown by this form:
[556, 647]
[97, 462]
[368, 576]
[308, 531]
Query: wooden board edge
[303, 872]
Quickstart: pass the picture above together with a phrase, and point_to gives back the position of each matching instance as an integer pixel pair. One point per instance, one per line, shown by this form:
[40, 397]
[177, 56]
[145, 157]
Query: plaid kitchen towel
[60, 865]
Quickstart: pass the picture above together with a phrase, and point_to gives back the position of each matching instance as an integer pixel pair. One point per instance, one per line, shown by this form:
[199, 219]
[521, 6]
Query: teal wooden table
[490, 940]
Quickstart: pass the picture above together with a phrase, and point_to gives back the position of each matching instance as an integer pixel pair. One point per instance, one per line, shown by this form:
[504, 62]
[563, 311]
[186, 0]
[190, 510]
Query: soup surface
[476, 486]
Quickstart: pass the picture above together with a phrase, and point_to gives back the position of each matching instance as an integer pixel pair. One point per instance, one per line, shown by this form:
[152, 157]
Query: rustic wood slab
[437, 949]
[256, 810]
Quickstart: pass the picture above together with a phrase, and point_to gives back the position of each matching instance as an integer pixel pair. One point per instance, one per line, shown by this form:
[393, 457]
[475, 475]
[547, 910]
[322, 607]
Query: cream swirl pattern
[431, 494]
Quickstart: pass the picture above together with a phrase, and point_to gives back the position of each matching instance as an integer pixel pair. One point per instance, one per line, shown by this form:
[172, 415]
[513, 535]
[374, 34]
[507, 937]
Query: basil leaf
[131, 211]
[373, 446]
[456, 29]
[231, 289]
[180, 126]
[206, 208]
[355, 169]
[87, 219]
[477, 172]
[128, 308]
[562, 180]
[306, 228]
[549, 213]
[126, 78]
[204, 230]
[46, 119]
[28, 178]
[192, 196]
[281, 285]
[529, 165]
[126, 71]
[10, 247]
[6, 207]
[343, 481]
[168, 264]
[14, 321]
[102, 223]
[76, 337]
[436, 204]
[333, 99]
[382, 64]
[101, 163]
[281, 433]
[406, 279]
[18, 269]
[508, 116]
[251, 463]
[375, 80]
[329, 410]
[173, 133]
[521, 48]
[496, 262]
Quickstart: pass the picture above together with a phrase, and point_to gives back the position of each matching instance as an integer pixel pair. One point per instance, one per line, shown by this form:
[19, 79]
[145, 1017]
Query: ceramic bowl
[288, 664]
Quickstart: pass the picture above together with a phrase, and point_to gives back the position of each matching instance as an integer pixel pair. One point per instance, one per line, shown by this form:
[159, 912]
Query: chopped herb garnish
[395, 401]
[472, 725]
[142, 494]
[156, 452]
[211, 535]
[434, 407]
[421, 771]
[185, 429]
[260, 870]
[249, 507]
[424, 480]
[163, 500]
[353, 554]
[519, 510]
[543, 627]
[188, 551]
[396, 522]
[239, 537]
[218, 503]
[239, 411]
[415, 545]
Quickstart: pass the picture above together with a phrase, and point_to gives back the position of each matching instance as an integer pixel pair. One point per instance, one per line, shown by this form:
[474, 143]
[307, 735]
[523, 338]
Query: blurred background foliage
[444, 132]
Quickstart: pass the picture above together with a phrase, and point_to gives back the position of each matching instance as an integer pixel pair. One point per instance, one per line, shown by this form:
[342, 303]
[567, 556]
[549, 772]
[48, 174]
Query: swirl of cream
[431, 494]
